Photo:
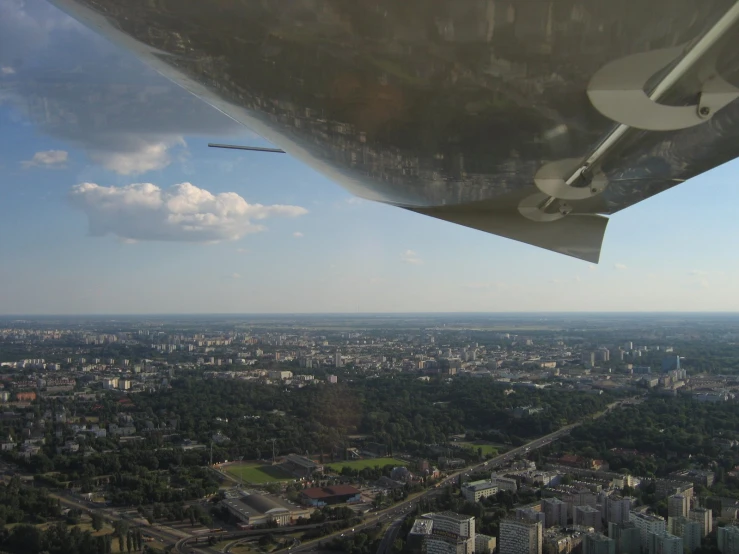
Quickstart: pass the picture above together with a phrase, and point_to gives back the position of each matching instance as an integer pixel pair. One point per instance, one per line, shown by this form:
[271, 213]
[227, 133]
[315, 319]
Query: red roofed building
[25, 396]
[323, 496]
[570, 460]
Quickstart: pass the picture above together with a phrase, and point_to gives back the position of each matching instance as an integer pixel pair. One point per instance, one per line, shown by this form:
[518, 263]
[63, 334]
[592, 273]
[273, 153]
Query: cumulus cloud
[6, 70]
[183, 212]
[77, 87]
[620, 267]
[47, 158]
[146, 156]
[298, 235]
[411, 257]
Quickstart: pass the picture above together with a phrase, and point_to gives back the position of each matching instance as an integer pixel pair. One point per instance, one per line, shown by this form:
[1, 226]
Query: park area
[487, 449]
[363, 464]
[258, 474]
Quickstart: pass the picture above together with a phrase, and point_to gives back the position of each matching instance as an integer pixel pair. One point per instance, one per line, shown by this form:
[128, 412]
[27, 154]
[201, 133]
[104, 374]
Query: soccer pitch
[370, 462]
[258, 474]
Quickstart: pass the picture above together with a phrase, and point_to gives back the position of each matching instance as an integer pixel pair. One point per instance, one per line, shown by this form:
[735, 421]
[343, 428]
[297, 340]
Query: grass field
[258, 474]
[370, 462]
[486, 448]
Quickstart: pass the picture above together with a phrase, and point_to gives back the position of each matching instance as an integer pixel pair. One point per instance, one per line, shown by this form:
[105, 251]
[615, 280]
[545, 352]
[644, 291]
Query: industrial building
[255, 509]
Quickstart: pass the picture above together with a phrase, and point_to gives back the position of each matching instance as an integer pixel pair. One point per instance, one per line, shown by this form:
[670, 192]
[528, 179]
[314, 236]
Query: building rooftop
[422, 527]
[453, 515]
[325, 492]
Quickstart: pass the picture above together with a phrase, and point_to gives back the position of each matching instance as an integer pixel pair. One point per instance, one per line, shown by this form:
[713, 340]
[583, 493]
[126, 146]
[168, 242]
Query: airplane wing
[529, 119]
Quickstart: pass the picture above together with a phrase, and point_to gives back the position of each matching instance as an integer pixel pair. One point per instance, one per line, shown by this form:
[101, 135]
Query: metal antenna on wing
[250, 148]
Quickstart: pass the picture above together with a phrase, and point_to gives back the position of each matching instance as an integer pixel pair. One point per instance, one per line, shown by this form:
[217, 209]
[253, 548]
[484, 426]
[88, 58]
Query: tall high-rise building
[520, 537]
[704, 516]
[689, 531]
[647, 523]
[587, 516]
[451, 533]
[338, 362]
[728, 539]
[627, 537]
[664, 543]
[618, 508]
[628, 345]
[678, 505]
[595, 543]
[555, 512]
[670, 363]
[588, 359]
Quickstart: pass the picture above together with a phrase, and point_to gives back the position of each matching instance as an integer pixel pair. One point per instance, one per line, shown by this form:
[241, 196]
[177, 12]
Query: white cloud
[7, 70]
[592, 267]
[143, 157]
[235, 276]
[298, 235]
[47, 158]
[183, 212]
[123, 115]
[242, 250]
[411, 257]
[620, 267]
[698, 272]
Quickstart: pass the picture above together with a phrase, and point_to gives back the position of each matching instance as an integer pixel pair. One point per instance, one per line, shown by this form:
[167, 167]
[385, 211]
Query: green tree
[97, 521]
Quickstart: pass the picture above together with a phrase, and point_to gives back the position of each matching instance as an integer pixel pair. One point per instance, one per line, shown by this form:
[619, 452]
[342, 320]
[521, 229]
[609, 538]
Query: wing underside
[465, 111]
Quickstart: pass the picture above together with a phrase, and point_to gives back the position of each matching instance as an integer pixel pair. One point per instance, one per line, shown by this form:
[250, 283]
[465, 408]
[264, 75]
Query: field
[258, 474]
[487, 449]
[370, 462]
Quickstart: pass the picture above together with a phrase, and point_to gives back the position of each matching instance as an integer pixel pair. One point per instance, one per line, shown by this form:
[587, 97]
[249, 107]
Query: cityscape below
[383, 433]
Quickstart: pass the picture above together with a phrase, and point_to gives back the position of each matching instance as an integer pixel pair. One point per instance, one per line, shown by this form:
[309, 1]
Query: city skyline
[117, 206]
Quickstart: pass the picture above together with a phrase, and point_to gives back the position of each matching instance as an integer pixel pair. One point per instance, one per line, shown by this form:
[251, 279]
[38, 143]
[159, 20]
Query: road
[390, 534]
[401, 510]
[162, 533]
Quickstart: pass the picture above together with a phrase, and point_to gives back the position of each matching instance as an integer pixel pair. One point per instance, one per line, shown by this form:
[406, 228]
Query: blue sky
[294, 241]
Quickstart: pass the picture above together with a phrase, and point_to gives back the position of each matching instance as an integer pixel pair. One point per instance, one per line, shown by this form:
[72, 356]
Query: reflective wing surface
[478, 112]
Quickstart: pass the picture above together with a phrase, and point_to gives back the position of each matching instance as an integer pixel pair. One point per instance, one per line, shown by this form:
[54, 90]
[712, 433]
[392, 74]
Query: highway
[401, 510]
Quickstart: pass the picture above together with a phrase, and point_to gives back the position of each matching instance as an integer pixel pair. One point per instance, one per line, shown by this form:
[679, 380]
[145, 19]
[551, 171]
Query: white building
[475, 490]
[728, 539]
[555, 512]
[520, 537]
[504, 483]
[704, 516]
[617, 509]
[587, 516]
[595, 543]
[689, 531]
[678, 505]
[664, 543]
[647, 523]
[451, 533]
[484, 544]
[280, 374]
